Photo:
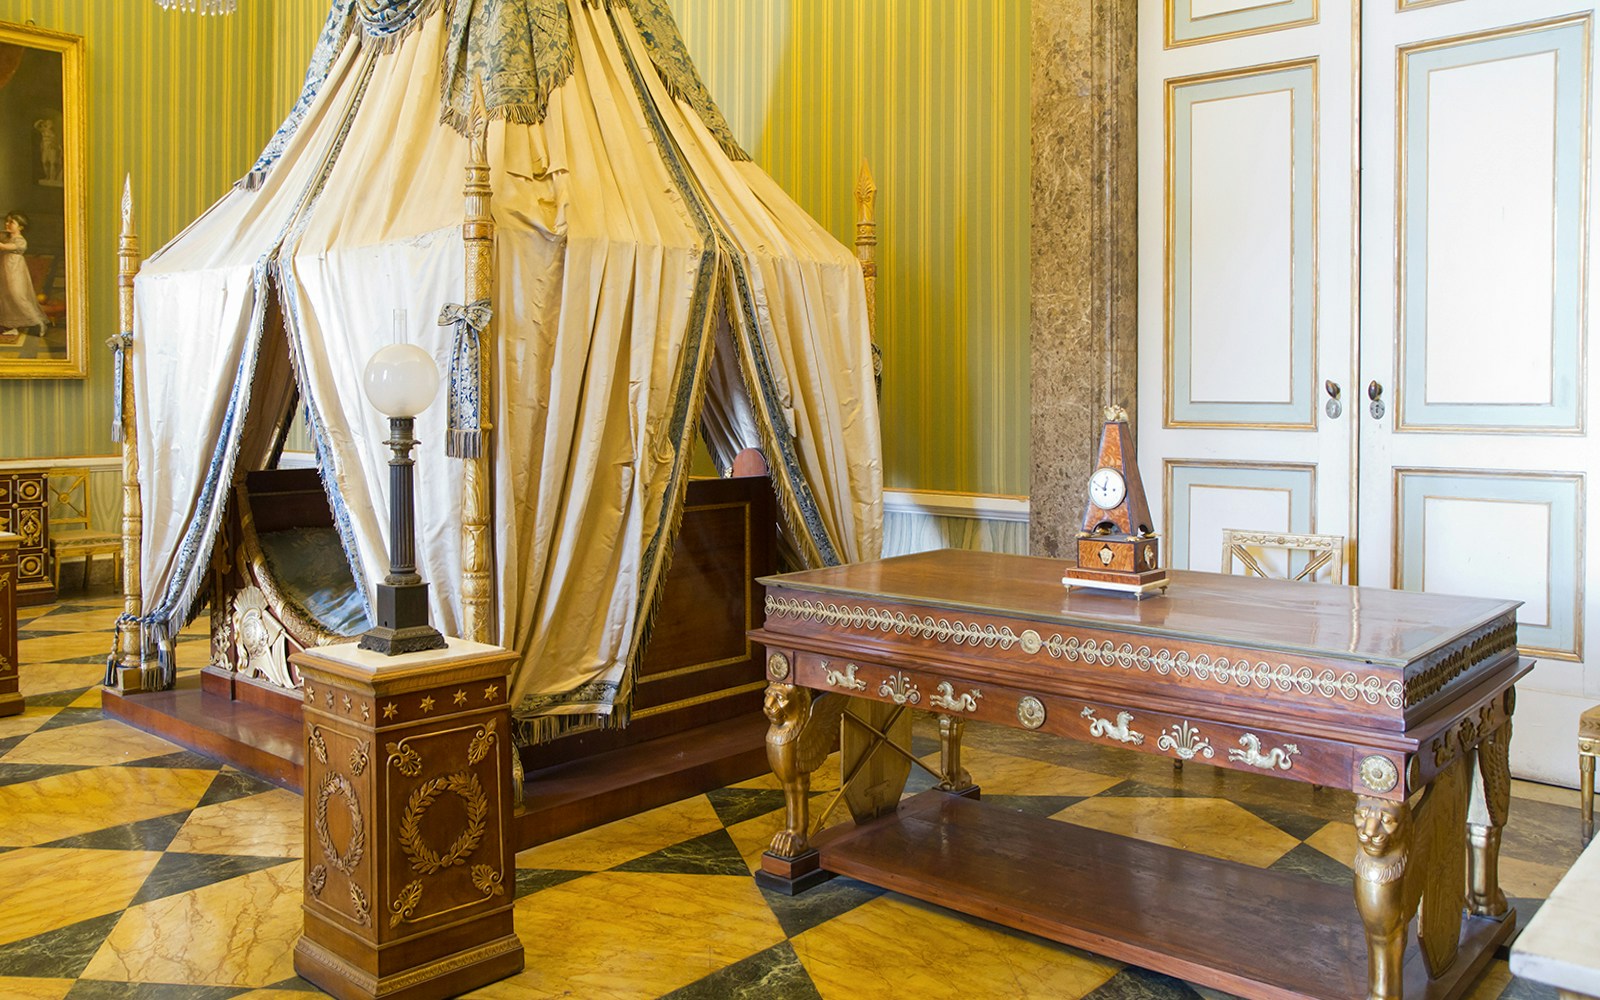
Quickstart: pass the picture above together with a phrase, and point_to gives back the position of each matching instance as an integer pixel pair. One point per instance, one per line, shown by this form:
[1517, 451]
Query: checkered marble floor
[130, 867]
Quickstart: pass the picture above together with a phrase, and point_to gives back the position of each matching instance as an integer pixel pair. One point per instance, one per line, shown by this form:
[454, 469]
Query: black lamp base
[402, 626]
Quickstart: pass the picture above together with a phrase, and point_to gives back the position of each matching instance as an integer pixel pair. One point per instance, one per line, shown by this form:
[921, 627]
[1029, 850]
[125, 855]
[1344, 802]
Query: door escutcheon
[1375, 393]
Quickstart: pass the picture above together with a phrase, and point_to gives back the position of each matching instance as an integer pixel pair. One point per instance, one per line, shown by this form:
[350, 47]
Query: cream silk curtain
[643, 270]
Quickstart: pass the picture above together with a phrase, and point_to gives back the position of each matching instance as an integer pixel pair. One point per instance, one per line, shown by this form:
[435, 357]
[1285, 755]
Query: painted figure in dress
[19, 305]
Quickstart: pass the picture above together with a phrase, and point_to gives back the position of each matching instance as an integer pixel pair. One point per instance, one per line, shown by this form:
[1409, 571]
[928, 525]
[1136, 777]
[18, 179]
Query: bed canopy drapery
[648, 282]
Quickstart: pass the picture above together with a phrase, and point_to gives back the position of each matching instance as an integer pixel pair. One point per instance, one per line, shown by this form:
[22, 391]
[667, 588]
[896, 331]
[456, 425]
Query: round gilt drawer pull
[778, 667]
[1030, 712]
[1379, 773]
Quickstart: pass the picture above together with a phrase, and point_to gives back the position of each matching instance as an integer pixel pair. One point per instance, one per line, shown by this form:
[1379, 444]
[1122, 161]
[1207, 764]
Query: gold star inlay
[347, 703]
[490, 691]
[389, 710]
[310, 694]
[366, 712]
[427, 704]
[330, 699]
[461, 697]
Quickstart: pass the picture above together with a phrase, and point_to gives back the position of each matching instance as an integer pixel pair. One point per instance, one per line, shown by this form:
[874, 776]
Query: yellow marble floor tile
[19, 988]
[235, 933]
[78, 802]
[268, 825]
[1528, 878]
[1492, 982]
[1537, 792]
[93, 743]
[50, 889]
[276, 995]
[80, 621]
[1003, 774]
[610, 845]
[50, 648]
[753, 836]
[898, 947]
[1337, 840]
[634, 935]
[31, 718]
[89, 699]
[1213, 827]
[46, 678]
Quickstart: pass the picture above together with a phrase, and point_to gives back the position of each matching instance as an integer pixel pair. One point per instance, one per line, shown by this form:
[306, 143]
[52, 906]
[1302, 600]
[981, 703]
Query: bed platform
[696, 724]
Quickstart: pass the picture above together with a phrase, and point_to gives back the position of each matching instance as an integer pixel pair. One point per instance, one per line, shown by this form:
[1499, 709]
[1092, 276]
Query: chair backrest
[69, 500]
[1316, 558]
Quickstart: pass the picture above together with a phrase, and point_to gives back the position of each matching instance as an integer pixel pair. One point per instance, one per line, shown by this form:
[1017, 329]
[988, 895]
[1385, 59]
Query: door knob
[1375, 394]
[1333, 406]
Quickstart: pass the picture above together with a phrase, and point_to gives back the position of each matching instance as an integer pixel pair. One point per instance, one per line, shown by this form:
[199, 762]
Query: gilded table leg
[952, 776]
[1383, 829]
[1486, 817]
[1586, 791]
[805, 728]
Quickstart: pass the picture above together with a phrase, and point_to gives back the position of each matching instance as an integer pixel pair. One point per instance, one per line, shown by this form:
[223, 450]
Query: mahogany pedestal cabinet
[410, 872]
[10, 698]
[25, 512]
[1405, 699]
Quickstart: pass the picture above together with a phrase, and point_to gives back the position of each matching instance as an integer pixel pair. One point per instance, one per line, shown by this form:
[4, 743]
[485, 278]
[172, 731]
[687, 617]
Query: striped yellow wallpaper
[935, 94]
[181, 102]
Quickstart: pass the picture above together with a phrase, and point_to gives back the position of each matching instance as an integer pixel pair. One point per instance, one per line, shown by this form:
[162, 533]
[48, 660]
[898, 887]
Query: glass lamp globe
[401, 380]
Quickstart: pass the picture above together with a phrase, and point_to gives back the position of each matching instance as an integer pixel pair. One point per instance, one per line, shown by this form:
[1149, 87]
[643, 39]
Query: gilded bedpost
[477, 499]
[867, 254]
[130, 645]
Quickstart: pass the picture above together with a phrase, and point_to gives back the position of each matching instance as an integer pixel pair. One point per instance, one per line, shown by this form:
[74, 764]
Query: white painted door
[1246, 290]
[1477, 143]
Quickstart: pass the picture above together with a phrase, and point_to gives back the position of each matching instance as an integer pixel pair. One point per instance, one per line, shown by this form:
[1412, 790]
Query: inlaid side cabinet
[24, 511]
[10, 699]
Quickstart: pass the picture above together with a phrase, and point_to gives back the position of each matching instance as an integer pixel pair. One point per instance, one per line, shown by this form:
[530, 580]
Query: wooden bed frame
[696, 717]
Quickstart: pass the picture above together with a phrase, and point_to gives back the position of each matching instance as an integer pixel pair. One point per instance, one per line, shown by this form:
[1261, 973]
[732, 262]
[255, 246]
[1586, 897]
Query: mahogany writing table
[1405, 699]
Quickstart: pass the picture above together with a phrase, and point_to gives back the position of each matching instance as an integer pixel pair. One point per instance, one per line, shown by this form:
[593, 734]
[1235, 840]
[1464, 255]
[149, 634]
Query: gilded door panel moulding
[1404, 5]
[1568, 40]
[1185, 28]
[1300, 79]
[1561, 493]
[1179, 476]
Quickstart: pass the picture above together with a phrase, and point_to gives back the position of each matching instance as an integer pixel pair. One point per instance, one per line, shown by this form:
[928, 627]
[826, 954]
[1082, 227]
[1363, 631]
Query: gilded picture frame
[43, 307]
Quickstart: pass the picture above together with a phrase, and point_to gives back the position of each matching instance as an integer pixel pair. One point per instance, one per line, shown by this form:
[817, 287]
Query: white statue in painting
[49, 152]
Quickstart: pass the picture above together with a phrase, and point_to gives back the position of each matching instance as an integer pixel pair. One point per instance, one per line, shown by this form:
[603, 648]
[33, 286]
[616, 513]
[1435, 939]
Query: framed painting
[42, 184]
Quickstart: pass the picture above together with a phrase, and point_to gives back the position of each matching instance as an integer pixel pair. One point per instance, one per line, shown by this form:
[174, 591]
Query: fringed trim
[527, 731]
[465, 420]
[528, 108]
[119, 344]
[657, 28]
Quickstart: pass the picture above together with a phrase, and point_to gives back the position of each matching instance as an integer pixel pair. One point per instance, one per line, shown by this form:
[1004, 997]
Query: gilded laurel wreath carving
[463, 784]
[338, 784]
[482, 740]
[403, 757]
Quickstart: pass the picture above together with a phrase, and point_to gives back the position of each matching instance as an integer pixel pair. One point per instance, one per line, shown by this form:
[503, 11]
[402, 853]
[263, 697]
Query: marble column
[1084, 272]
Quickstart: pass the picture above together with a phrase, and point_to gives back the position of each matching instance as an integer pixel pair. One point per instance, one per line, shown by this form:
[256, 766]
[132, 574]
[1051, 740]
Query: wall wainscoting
[919, 520]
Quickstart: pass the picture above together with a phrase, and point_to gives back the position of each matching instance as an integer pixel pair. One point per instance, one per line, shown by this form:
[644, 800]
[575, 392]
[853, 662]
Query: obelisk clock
[1118, 549]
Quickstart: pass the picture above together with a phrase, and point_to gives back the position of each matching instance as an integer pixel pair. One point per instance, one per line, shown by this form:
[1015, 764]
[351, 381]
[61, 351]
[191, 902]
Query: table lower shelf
[1250, 931]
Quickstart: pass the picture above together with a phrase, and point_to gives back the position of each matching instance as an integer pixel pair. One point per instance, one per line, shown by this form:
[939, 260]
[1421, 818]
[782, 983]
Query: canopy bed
[623, 277]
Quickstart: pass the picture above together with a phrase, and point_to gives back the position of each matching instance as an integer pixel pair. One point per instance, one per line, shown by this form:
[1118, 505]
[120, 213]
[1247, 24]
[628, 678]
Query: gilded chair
[1281, 554]
[70, 534]
[1588, 752]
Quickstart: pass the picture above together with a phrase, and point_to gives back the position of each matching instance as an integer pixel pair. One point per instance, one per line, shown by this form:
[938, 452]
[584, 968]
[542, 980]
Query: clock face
[1106, 488]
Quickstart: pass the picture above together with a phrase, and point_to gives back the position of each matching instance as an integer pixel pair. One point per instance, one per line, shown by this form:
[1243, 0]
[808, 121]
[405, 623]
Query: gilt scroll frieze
[1224, 671]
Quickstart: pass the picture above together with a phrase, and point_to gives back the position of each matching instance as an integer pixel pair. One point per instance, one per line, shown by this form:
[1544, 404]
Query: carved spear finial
[127, 205]
[866, 194]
